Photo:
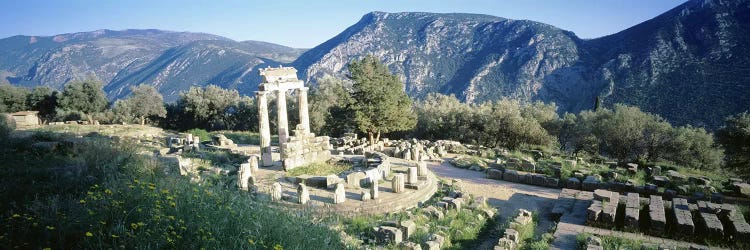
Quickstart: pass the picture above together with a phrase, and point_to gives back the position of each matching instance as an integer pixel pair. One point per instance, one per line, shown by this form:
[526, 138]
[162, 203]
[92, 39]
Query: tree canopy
[212, 108]
[329, 102]
[628, 134]
[504, 123]
[144, 101]
[12, 98]
[735, 136]
[380, 103]
[85, 96]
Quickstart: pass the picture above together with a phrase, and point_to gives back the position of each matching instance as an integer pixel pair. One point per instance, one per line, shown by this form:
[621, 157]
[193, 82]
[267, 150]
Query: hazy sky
[303, 24]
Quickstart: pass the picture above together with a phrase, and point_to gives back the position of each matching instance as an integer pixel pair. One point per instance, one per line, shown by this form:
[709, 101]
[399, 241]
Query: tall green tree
[329, 102]
[85, 96]
[209, 107]
[441, 117]
[44, 100]
[735, 136]
[380, 103]
[144, 101]
[12, 98]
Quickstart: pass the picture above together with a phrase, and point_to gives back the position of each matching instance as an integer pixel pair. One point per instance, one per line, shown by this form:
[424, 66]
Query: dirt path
[507, 197]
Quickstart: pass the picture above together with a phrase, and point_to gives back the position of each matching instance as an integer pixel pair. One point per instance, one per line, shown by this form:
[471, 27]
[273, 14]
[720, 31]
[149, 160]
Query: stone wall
[303, 148]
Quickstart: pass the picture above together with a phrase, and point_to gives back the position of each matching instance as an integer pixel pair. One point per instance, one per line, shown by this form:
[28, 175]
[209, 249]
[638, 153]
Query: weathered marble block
[657, 215]
[683, 218]
[397, 184]
[496, 174]
[276, 192]
[412, 175]
[711, 224]
[339, 195]
[573, 183]
[632, 211]
[593, 212]
[303, 195]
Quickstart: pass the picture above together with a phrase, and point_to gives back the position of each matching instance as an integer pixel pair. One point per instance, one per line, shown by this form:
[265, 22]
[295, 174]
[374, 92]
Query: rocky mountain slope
[172, 61]
[691, 64]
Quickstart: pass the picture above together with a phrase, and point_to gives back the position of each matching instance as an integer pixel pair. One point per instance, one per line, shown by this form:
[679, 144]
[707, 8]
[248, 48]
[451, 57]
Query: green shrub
[7, 124]
[201, 133]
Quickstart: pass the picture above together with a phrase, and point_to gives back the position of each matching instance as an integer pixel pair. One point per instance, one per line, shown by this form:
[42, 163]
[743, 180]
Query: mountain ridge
[694, 56]
[129, 57]
[676, 64]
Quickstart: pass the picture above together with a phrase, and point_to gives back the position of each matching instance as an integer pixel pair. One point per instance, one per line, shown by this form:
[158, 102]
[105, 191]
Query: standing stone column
[412, 175]
[243, 176]
[422, 168]
[253, 160]
[283, 124]
[276, 191]
[397, 184]
[264, 128]
[196, 143]
[374, 191]
[302, 194]
[339, 195]
[304, 117]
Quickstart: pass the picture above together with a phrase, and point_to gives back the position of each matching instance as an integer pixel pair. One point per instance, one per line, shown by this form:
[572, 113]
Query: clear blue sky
[304, 24]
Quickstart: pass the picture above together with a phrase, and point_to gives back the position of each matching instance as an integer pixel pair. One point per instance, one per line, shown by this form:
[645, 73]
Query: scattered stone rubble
[184, 142]
[304, 147]
[511, 239]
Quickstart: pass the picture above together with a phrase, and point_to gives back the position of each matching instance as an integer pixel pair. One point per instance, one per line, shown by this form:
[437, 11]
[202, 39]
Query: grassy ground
[108, 130]
[320, 169]
[217, 158]
[94, 193]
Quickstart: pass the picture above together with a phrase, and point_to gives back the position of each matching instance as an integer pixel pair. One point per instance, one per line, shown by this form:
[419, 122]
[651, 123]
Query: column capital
[260, 92]
[303, 89]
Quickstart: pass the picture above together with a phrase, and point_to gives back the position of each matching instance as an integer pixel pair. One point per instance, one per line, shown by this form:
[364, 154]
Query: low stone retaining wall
[523, 177]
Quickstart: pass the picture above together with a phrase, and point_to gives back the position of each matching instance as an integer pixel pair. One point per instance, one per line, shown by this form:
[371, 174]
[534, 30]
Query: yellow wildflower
[50, 227]
[89, 234]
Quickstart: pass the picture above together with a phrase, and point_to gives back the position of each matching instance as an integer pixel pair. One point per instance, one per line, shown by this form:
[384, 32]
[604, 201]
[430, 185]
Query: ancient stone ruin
[683, 218]
[184, 142]
[301, 148]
